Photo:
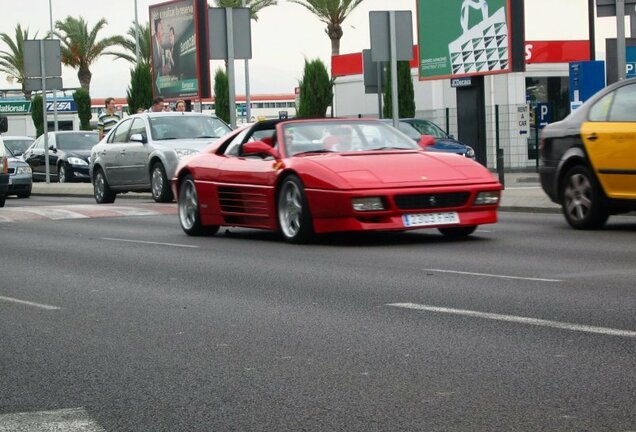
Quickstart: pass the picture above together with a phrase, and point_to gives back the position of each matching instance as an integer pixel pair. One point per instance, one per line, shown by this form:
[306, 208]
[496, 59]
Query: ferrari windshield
[343, 137]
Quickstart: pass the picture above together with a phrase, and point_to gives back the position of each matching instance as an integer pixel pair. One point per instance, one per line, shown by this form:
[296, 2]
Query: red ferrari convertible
[303, 177]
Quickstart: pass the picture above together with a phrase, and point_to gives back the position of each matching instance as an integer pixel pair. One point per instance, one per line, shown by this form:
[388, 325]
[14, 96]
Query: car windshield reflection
[76, 141]
[343, 137]
[186, 127]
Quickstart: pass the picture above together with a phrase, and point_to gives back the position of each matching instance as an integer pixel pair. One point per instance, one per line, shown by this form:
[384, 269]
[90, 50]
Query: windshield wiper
[207, 136]
[314, 151]
[389, 148]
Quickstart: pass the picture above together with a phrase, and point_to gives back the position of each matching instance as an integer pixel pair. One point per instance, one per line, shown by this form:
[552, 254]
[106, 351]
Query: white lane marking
[494, 275]
[28, 303]
[518, 319]
[54, 213]
[62, 420]
[149, 242]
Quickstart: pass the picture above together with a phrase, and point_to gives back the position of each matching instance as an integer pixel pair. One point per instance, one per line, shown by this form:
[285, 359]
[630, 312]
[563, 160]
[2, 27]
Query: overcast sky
[282, 38]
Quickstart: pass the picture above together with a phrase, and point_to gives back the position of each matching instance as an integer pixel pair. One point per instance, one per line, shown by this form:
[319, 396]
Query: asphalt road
[126, 324]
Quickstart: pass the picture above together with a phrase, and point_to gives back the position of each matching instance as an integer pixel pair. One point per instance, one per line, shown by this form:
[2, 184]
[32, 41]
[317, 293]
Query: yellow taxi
[588, 160]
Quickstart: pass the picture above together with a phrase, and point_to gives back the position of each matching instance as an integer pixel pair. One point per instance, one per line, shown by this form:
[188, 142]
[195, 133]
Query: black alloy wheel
[582, 200]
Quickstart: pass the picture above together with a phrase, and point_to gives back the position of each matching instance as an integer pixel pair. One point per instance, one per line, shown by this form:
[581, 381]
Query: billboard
[176, 72]
[463, 38]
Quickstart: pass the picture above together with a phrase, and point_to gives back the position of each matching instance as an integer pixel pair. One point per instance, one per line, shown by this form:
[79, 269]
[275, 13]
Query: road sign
[241, 33]
[373, 73]
[35, 84]
[52, 59]
[607, 8]
[380, 35]
[544, 114]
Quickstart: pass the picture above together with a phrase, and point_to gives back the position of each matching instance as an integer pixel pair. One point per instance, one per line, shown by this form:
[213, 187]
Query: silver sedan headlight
[23, 170]
[181, 153]
[77, 161]
[470, 152]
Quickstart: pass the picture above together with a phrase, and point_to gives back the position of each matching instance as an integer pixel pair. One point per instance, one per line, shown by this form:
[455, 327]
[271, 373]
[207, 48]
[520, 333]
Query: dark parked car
[587, 162]
[68, 156]
[444, 142]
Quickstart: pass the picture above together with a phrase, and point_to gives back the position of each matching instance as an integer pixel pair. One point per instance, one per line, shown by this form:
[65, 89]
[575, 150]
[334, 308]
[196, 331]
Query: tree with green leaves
[254, 5]
[83, 101]
[129, 44]
[12, 60]
[333, 13]
[80, 47]
[37, 112]
[406, 94]
[316, 90]
[139, 93]
[222, 95]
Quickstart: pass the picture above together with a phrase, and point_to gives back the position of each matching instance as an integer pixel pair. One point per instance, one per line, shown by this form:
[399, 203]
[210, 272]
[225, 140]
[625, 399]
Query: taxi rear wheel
[582, 199]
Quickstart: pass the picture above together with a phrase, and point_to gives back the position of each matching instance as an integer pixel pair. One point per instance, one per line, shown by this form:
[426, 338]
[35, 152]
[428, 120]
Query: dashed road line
[494, 275]
[28, 303]
[518, 319]
[149, 242]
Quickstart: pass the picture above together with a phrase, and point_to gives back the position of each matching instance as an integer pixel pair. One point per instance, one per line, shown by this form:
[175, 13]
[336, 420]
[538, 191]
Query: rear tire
[101, 190]
[161, 192]
[188, 206]
[294, 216]
[582, 199]
[458, 232]
[2, 200]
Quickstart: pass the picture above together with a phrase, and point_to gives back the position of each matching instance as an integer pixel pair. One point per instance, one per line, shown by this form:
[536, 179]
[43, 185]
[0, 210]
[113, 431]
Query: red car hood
[406, 168]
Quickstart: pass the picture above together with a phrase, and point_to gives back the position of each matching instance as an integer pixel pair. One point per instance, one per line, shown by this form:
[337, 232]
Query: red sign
[557, 51]
[536, 52]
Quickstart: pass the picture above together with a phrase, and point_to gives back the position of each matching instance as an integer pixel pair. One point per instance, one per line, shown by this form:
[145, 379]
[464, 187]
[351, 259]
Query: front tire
[458, 232]
[62, 174]
[24, 194]
[582, 199]
[188, 205]
[294, 217]
[161, 192]
[101, 190]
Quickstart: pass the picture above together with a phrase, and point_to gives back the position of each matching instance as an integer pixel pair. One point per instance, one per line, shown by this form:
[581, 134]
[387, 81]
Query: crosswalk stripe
[83, 211]
[62, 420]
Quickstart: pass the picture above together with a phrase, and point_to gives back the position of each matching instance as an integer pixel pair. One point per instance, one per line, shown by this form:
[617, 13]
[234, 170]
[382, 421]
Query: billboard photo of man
[174, 61]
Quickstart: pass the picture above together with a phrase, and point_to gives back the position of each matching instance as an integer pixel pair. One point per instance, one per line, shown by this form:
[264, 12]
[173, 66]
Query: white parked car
[142, 152]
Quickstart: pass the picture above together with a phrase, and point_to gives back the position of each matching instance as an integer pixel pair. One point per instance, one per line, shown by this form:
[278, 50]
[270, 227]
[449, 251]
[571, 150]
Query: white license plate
[425, 219]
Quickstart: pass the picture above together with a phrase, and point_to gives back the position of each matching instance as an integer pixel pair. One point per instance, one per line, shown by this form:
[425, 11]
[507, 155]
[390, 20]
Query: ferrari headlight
[487, 198]
[23, 170]
[77, 161]
[367, 204]
[181, 153]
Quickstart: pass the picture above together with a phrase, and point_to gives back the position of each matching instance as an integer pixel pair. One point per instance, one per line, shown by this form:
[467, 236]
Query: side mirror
[53, 148]
[138, 138]
[426, 140]
[4, 124]
[259, 148]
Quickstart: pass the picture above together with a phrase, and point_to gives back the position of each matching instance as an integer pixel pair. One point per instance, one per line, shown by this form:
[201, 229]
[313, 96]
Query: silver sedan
[142, 152]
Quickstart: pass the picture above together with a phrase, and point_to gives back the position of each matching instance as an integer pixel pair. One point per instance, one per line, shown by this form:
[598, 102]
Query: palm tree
[12, 61]
[80, 47]
[254, 5]
[333, 13]
[130, 45]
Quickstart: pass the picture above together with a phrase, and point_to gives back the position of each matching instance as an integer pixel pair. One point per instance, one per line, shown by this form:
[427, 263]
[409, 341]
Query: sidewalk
[522, 193]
